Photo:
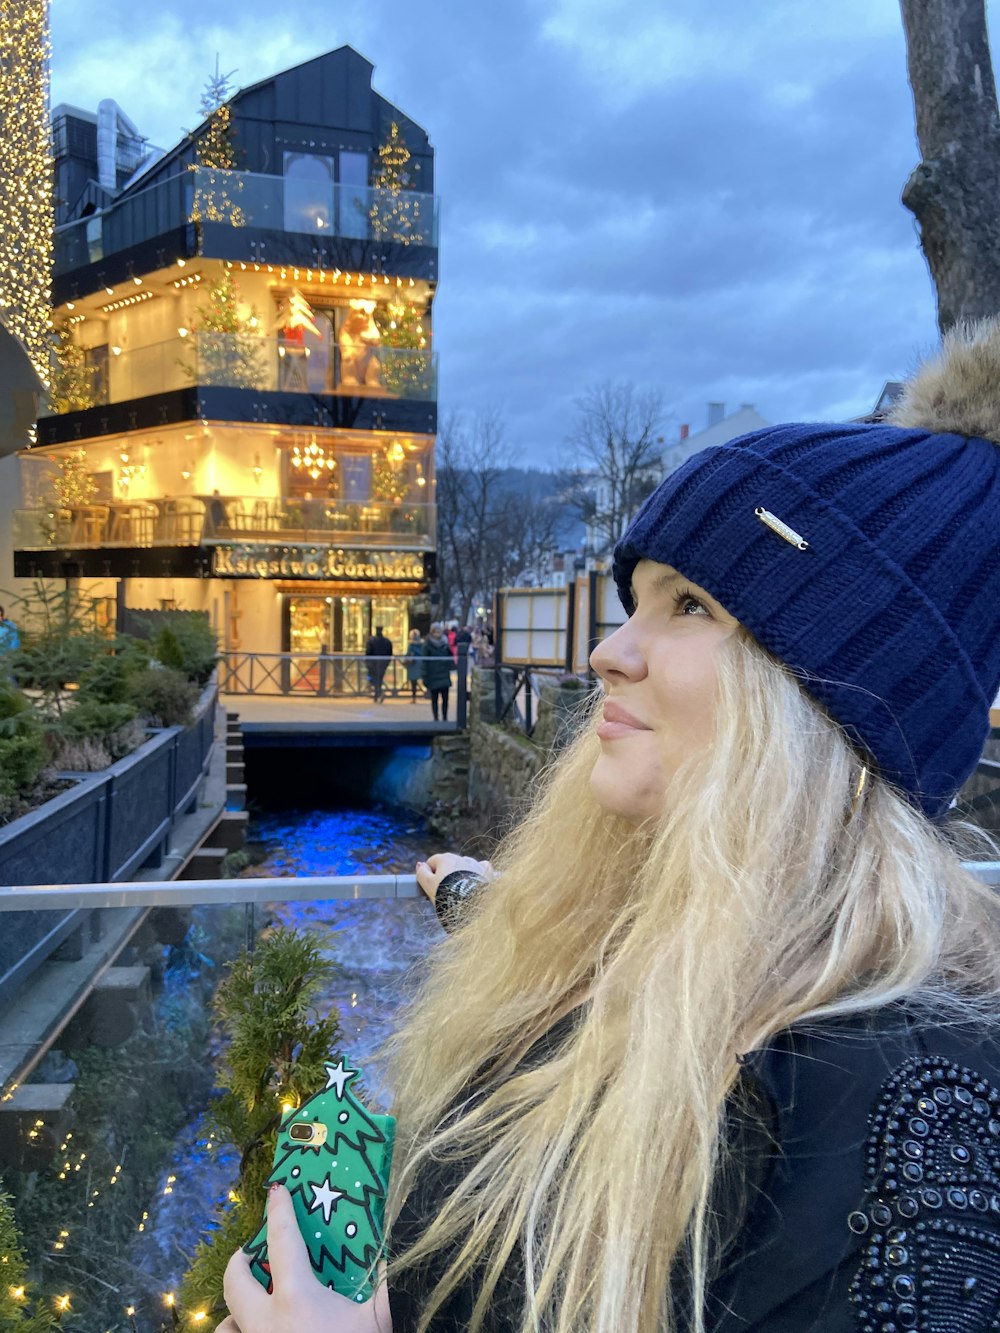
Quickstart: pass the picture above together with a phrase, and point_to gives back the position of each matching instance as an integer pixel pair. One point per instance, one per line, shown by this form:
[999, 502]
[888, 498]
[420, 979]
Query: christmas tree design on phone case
[334, 1158]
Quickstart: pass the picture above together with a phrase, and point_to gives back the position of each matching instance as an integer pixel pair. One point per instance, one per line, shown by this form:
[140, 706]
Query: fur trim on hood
[957, 392]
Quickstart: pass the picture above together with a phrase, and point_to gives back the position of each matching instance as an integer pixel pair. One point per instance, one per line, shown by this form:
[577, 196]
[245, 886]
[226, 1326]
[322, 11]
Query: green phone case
[338, 1188]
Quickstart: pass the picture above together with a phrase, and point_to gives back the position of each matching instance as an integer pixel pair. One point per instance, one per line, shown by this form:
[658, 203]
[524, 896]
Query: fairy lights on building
[26, 218]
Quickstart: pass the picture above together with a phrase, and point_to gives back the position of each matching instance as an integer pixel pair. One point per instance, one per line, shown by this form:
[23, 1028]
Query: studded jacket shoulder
[881, 1208]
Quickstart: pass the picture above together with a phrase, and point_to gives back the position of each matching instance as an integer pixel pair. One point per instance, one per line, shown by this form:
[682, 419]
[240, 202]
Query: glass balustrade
[249, 199]
[265, 365]
[218, 519]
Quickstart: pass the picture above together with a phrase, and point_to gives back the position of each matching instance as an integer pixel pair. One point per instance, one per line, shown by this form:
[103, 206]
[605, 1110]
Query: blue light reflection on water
[376, 945]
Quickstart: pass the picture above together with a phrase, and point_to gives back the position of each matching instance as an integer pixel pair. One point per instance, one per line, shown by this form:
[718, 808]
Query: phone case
[334, 1157]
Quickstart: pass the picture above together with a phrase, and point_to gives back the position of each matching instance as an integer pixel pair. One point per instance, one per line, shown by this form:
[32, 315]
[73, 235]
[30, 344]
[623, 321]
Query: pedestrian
[437, 665]
[378, 650]
[414, 666]
[452, 636]
[719, 1050]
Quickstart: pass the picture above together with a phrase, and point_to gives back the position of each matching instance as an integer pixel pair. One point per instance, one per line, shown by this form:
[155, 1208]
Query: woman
[437, 665]
[719, 1051]
[414, 666]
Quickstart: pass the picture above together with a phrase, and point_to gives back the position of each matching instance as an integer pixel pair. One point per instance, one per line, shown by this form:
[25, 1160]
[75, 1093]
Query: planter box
[99, 831]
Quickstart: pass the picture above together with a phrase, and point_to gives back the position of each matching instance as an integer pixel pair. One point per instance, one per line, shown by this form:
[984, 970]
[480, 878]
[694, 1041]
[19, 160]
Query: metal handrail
[193, 892]
[205, 892]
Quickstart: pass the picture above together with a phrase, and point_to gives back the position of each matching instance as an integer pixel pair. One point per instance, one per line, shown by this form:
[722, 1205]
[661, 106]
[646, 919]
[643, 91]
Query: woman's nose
[619, 657]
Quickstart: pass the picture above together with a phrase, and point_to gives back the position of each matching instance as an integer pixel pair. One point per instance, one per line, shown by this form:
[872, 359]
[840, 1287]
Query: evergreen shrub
[163, 695]
[187, 642]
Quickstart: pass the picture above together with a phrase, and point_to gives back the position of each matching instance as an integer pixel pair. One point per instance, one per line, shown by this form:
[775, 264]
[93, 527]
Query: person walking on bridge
[438, 664]
[378, 650]
[414, 666]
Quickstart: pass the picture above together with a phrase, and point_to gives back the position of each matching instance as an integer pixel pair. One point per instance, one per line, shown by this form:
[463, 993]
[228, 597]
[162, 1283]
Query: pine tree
[395, 213]
[389, 481]
[405, 360]
[216, 178]
[277, 1054]
[18, 1311]
[74, 484]
[342, 1183]
[71, 379]
[228, 350]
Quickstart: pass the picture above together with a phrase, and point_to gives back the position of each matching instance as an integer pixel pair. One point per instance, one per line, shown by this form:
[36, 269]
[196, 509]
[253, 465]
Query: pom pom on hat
[888, 611]
[957, 391]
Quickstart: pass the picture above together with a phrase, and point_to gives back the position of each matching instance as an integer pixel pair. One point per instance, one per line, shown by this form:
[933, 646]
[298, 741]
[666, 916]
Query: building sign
[246, 560]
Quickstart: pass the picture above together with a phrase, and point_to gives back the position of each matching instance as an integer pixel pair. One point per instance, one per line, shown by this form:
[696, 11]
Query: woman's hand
[299, 1301]
[431, 872]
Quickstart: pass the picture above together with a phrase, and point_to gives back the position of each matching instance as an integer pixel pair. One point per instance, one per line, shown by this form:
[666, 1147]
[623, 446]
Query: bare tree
[489, 529]
[470, 463]
[953, 193]
[617, 444]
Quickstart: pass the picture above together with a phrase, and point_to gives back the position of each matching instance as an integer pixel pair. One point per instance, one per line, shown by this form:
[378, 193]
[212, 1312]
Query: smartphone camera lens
[301, 1132]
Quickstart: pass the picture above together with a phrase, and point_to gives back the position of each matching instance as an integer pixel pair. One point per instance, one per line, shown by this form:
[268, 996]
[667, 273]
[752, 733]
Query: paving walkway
[330, 712]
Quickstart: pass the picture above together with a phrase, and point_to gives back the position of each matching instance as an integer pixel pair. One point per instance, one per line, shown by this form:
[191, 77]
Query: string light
[26, 217]
[134, 299]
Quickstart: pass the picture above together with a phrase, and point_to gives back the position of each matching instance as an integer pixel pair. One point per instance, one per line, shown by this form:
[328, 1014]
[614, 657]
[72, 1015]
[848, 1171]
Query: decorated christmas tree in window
[396, 208]
[71, 377]
[227, 346]
[217, 182]
[333, 1156]
[389, 480]
[74, 484]
[406, 358]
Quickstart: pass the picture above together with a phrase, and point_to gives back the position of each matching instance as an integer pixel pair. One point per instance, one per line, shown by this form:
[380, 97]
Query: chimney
[685, 431]
[716, 412]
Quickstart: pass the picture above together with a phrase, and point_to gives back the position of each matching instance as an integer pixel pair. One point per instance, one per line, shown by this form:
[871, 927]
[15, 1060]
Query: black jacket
[871, 1166]
[438, 664]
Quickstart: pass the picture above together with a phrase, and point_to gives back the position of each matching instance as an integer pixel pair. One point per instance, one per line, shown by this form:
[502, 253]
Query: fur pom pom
[958, 391]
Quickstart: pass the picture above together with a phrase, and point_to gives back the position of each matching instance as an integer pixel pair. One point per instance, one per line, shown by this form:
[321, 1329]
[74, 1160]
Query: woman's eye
[689, 605]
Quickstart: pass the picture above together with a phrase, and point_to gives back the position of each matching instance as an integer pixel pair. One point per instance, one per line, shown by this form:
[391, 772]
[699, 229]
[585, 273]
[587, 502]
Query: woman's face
[659, 676]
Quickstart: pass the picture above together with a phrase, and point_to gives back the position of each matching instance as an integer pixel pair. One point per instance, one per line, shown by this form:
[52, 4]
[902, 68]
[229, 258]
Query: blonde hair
[759, 899]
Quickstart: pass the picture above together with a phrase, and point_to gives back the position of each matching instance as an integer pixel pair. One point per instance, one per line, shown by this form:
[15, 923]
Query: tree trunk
[955, 190]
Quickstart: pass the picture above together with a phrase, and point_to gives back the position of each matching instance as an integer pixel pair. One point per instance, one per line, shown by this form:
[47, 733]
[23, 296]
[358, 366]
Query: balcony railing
[248, 199]
[200, 520]
[265, 365]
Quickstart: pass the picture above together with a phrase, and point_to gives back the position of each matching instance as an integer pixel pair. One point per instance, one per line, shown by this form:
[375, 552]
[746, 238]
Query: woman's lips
[618, 722]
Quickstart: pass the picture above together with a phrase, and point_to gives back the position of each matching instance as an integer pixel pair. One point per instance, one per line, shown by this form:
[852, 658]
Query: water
[375, 944]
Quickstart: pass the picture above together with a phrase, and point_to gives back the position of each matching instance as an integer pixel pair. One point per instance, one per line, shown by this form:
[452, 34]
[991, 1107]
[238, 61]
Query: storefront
[333, 621]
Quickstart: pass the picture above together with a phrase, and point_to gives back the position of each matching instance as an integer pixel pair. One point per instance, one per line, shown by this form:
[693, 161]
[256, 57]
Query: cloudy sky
[702, 200]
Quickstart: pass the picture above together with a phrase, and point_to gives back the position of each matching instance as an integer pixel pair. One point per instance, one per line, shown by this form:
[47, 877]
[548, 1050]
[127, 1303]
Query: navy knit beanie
[866, 558]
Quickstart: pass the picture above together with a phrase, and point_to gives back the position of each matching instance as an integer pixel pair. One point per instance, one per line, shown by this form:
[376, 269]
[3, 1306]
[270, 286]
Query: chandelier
[312, 459]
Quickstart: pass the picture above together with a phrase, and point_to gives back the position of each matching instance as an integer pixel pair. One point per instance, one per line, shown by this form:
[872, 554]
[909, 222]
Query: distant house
[720, 429]
[891, 393]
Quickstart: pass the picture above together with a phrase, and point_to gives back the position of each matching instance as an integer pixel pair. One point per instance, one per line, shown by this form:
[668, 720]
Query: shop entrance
[344, 624]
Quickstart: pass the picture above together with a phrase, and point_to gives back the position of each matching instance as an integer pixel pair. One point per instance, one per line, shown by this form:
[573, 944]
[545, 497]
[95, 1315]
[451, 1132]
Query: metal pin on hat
[782, 529]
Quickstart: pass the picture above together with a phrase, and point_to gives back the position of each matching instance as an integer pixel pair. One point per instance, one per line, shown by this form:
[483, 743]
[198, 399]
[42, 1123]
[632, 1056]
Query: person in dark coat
[437, 664]
[414, 665]
[378, 650]
[714, 1045]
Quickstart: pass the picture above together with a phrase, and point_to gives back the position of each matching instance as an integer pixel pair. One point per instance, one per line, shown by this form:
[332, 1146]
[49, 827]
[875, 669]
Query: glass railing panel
[262, 519]
[250, 199]
[250, 361]
[240, 520]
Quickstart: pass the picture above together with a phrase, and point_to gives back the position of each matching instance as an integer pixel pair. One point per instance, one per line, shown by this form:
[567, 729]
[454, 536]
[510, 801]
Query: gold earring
[859, 790]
